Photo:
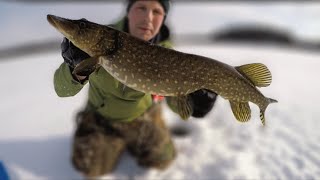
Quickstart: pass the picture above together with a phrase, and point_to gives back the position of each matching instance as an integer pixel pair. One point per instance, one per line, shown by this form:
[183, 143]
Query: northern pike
[153, 69]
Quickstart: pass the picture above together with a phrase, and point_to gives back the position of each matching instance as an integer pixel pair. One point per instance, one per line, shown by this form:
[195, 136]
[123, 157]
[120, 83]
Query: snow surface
[37, 126]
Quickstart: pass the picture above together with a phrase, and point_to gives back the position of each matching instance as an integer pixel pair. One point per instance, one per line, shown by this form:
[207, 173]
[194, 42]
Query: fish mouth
[52, 19]
[61, 24]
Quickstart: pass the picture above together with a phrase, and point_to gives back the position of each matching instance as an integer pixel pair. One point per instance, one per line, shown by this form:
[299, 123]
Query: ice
[37, 126]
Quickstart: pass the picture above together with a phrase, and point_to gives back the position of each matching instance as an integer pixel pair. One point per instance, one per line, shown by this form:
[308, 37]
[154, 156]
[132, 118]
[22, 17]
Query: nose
[148, 16]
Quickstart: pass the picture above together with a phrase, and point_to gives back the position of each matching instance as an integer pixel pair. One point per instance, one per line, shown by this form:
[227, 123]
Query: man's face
[145, 19]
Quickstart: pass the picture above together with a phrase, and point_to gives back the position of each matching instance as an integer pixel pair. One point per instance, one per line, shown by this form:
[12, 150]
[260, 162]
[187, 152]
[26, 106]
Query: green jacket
[107, 95]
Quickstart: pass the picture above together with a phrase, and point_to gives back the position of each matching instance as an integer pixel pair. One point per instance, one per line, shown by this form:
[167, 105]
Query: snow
[37, 126]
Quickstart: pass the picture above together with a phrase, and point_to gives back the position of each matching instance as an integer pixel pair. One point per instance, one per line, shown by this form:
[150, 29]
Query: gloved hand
[202, 102]
[71, 54]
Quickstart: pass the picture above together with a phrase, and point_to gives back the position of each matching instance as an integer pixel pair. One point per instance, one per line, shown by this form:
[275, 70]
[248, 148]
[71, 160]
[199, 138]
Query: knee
[159, 158]
[97, 154]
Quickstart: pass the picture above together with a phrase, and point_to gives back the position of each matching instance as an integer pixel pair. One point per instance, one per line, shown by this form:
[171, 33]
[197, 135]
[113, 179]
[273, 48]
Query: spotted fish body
[157, 70]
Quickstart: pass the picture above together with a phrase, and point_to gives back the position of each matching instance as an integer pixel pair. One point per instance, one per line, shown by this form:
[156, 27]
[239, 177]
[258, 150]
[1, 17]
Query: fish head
[84, 34]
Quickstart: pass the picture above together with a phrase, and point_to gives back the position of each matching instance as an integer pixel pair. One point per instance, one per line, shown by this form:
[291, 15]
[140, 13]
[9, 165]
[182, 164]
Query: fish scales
[153, 72]
[157, 70]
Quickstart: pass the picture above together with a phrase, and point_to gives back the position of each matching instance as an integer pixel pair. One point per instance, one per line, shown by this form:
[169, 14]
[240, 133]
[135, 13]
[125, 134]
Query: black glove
[202, 102]
[71, 54]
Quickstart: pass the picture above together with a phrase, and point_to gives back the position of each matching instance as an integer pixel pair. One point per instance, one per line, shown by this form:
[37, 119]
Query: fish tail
[263, 110]
[272, 100]
[262, 117]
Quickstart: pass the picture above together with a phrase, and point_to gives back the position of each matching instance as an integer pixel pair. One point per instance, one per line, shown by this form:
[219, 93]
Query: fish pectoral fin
[257, 73]
[184, 107]
[241, 110]
[87, 66]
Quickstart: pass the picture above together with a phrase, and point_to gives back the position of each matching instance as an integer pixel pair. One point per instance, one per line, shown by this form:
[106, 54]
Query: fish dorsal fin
[241, 111]
[257, 73]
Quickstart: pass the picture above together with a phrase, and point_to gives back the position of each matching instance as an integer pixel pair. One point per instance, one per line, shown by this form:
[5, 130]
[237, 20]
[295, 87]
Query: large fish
[157, 70]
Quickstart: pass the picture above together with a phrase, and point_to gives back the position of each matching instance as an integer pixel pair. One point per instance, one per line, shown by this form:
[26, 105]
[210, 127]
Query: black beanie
[165, 4]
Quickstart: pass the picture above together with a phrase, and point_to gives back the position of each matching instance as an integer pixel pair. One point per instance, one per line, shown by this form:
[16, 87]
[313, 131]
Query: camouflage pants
[98, 143]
